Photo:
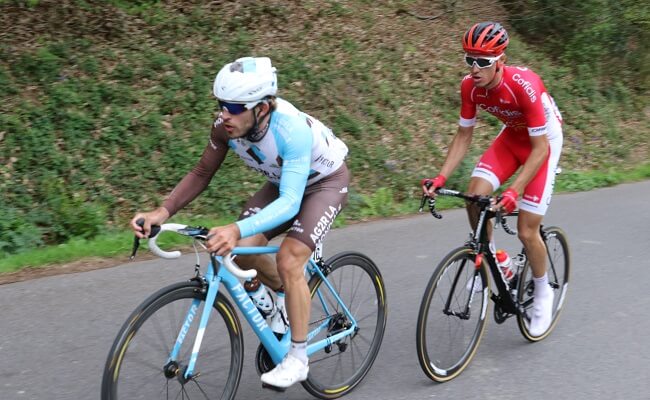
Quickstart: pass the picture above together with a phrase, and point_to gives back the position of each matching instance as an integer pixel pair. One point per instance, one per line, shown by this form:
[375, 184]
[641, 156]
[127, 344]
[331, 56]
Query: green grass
[380, 204]
[109, 245]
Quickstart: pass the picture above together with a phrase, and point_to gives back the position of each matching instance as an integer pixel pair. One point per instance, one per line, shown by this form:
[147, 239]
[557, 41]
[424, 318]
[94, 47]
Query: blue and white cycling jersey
[297, 151]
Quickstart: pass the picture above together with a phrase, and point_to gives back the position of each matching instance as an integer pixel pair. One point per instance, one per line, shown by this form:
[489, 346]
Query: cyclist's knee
[528, 227]
[528, 234]
[291, 259]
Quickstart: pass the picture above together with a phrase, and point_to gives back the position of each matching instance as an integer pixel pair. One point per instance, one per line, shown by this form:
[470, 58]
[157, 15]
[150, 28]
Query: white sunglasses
[481, 62]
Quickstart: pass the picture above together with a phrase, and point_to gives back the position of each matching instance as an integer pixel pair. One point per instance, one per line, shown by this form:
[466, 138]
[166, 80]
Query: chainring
[263, 362]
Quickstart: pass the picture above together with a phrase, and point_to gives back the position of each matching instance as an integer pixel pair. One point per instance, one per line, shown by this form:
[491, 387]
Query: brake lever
[432, 202]
[424, 199]
[155, 229]
[136, 244]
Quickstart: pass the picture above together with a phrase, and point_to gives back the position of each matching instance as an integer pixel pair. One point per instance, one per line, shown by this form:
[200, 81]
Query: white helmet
[247, 81]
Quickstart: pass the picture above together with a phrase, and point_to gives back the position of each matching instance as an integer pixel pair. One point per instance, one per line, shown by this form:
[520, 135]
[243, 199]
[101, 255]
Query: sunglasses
[232, 108]
[481, 62]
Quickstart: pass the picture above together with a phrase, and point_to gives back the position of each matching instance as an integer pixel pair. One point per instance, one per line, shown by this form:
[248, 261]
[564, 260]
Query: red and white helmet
[247, 81]
[486, 38]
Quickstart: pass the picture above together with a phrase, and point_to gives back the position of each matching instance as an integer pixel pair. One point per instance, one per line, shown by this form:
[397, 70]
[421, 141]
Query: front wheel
[452, 315]
[138, 365]
[559, 266]
[337, 369]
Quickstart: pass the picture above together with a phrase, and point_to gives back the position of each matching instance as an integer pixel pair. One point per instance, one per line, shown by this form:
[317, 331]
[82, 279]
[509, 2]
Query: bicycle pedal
[274, 388]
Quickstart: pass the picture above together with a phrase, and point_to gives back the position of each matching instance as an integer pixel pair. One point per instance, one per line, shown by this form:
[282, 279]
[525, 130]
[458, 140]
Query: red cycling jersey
[520, 101]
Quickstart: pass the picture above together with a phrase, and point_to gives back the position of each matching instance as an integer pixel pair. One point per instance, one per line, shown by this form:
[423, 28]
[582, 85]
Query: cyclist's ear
[501, 62]
[263, 107]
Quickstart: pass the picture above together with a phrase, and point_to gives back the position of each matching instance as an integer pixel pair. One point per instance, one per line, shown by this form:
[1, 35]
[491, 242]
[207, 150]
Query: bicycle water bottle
[260, 296]
[279, 321]
[505, 265]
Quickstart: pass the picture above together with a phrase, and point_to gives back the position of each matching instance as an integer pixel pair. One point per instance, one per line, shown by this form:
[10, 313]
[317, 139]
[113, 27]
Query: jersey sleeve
[200, 176]
[467, 105]
[294, 147]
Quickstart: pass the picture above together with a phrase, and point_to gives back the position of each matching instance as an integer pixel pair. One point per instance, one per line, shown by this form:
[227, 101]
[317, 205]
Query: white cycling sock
[541, 285]
[299, 350]
[493, 248]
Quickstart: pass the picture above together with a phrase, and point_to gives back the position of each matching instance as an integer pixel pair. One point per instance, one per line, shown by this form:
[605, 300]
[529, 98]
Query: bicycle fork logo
[188, 322]
[248, 307]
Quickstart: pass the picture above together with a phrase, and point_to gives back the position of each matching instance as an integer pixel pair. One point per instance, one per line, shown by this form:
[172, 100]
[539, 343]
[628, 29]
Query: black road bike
[452, 316]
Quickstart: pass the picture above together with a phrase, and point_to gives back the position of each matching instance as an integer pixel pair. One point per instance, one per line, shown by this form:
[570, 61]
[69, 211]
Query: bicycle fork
[172, 367]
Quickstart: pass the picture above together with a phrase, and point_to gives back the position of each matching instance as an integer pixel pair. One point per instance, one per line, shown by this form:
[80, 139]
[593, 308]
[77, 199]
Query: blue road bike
[186, 340]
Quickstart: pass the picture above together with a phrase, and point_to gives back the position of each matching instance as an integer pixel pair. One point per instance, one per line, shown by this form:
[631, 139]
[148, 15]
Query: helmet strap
[254, 134]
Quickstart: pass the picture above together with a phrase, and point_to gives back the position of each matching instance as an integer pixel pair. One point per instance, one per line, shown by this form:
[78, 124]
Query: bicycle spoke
[205, 395]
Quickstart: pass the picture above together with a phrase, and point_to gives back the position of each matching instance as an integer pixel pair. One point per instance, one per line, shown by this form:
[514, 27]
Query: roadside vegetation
[104, 106]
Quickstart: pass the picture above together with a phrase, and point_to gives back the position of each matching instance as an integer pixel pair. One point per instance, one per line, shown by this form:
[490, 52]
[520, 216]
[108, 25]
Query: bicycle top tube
[255, 250]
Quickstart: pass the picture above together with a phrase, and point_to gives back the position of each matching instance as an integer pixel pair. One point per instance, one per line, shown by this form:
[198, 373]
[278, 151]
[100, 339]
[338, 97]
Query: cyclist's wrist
[160, 215]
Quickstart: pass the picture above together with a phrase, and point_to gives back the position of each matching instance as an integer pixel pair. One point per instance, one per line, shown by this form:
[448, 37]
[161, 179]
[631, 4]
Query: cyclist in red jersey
[531, 138]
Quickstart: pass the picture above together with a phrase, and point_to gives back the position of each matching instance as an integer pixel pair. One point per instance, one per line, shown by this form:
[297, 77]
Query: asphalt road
[55, 332]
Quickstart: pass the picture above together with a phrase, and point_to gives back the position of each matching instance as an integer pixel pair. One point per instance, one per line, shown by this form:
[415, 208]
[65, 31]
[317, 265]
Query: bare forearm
[457, 150]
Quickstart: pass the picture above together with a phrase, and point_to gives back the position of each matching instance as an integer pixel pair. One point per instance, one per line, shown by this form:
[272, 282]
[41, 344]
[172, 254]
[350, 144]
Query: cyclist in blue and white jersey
[306, 188]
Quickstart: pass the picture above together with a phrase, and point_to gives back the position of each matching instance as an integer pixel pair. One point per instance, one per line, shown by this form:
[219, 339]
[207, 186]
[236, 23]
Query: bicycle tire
[558, 274]
[443, 353]
[349, 273]
[135, 365]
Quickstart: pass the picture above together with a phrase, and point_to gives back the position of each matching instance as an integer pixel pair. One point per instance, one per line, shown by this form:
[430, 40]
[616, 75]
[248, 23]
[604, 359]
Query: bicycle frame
[481, 244]
[276, 347]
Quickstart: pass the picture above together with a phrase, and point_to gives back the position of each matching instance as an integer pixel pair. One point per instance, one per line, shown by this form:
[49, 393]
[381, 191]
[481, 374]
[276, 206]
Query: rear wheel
[452, 315]
[138, 365]
[559, 265]
[337, 369]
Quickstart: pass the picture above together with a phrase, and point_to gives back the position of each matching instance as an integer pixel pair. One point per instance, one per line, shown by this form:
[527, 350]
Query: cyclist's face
[237, 125]
[484, 77]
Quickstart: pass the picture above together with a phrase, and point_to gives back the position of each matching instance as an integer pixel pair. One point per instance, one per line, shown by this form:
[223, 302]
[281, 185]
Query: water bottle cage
[264, 308]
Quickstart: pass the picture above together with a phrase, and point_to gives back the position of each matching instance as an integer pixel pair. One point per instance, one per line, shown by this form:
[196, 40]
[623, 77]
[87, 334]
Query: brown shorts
[320, 205]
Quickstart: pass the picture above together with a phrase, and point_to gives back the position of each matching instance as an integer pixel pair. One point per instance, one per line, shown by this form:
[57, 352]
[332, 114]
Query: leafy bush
[99, 121]
[17, 232]
[608, 40]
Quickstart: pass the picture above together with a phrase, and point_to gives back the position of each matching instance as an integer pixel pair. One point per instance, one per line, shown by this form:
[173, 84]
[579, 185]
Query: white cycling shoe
[285, 374]
[542, 313]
